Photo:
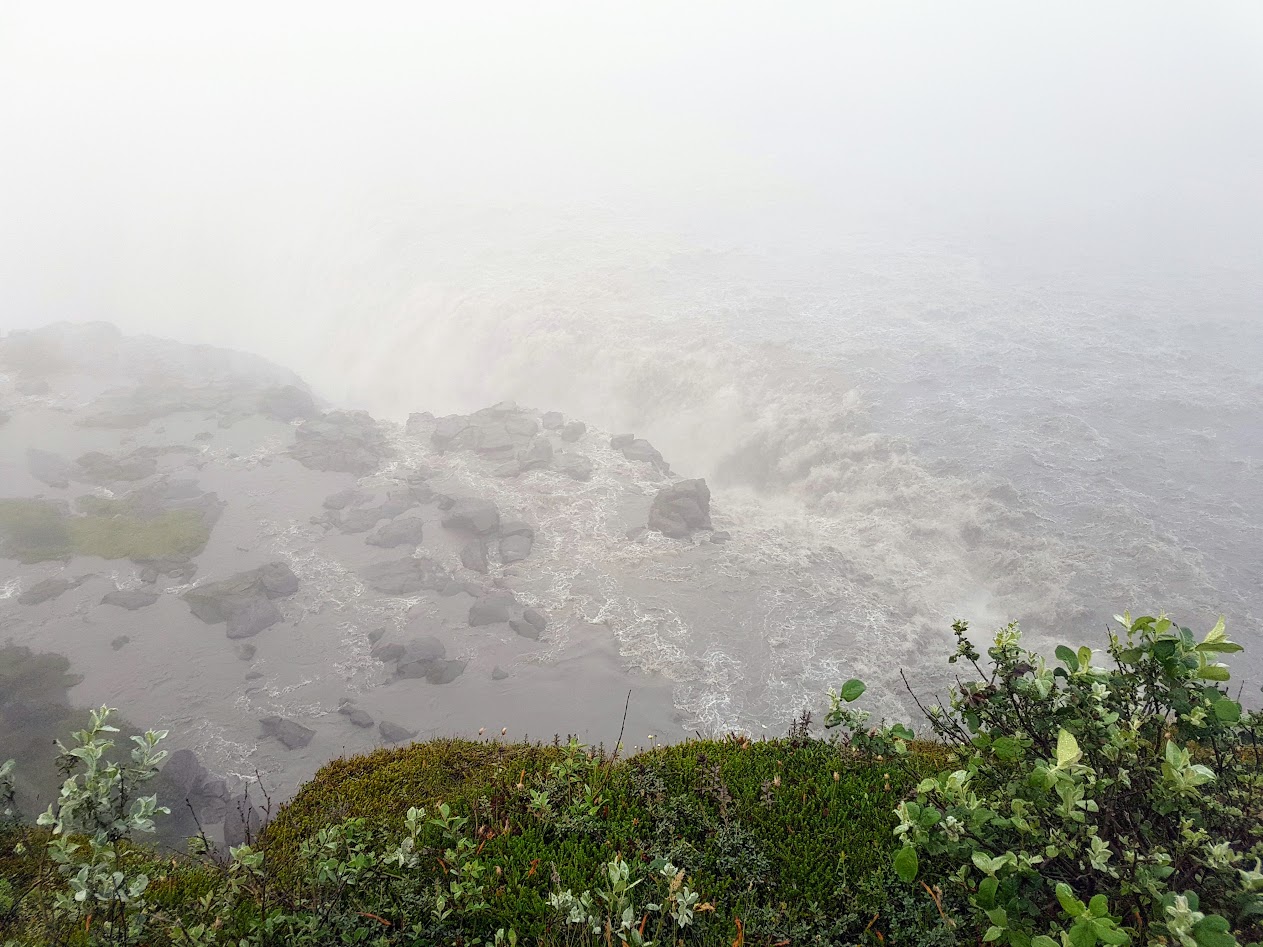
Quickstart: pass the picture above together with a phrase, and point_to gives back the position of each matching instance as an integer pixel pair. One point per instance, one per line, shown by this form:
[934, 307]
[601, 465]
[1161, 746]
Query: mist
[956, 308]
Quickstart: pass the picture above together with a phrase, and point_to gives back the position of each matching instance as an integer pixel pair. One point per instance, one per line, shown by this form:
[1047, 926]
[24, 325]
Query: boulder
[254, 616]
[361, 718]
[130, 599]
[538, 454]
[509, 470]
[97, 467]
[242, 821]
[184, 772]
[393, 733]
[345, 441]
[406, 576]
[720, 536]
[48, 468]
[515, 548]
[417, 423]
[474, 556]
[148, 575]
[359, 520]
[525, 629]
[552, 421]
[640, 450]
[498, 673]
[679, 509]
[344, 498]
[48, 589]
[575, 466]
[278, 579]
[120, 642]
[477, 516]
[419, 657]
[488, 611]
[521, 426]
[387, 653]
[573, 430]
[516, 528]
[292, 735]
[404, 530]
[244, 601]
[619, 441]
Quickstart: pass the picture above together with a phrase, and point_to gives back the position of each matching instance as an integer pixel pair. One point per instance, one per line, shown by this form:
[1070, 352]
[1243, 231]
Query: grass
[38, 531]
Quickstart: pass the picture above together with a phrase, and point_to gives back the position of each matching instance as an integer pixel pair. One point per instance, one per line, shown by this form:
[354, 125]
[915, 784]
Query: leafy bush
[1095, 802]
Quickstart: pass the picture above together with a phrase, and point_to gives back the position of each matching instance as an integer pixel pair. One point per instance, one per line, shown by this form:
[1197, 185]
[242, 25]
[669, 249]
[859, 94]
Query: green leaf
[1214, 672]
[1098, 906]
[852, 690]
[1069, 903]
[1228, 711]
[1067, 657]
[987, 891]
[906, 864]
[1107, 933]
[1213, 931]
[993, 933]
[1068, 752]
[1043, 940]
[1007, 749]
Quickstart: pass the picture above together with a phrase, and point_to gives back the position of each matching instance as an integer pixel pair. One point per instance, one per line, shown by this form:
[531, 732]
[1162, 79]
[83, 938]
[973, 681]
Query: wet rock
[402, 531]
[515, 548]
[242, 821]
[636, 533]
[474, 556]
[679, 509]
[488, 611]
[376, 635]
[48, 468]
[573, 430]
[253, 675]
[148, 575]
[393, 733]
[287, 403]
[619, 441]
[344, 441]
[640, 450]
[405, 576]
[130, 599]
[456, 588]
[246, 652]
[202, 437]
[49, 589]
[507, 471]
[720, 536]
[575, 466]
[498, 673]
[182, 570]
[388, 652]
[120, 642]
[344, 498]
[552, 421]
[101, 468]
[521, 426]
[361, 718]
[538, 454]
[292, 735]
[244, 600]
[477, 516]
[184, 772]
[420, 657]
[516, 528]
[359, 520]
[525, 629]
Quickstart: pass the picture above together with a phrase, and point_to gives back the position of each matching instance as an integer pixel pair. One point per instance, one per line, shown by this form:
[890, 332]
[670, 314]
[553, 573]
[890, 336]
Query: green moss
[37, 531]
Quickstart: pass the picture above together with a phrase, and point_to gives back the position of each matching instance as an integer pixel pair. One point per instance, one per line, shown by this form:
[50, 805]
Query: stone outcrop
[291, 734]
[679, 509]
[244, 602]
[345, 441]
[406, 576]
[130, 599]
[476, 516]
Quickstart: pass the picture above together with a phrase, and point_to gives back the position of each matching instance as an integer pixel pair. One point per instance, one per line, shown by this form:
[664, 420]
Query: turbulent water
[897, 438]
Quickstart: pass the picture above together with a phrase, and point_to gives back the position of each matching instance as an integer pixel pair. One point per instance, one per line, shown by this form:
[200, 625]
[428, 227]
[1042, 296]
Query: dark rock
[278, 579]
[253, 675]
[488, 611]
[498, 673]
[344, 498]
[292, 735]
[516, 528]
[288, 403]
[359, 520]
[130, 599]
[525, 629]
[515, 548]
[642, 451]
[405, 576]
[443, 501]
[420, 657]
[345, 441]
[619, 441]
[538, 454]
[246, 652]
[507, 471]
[48, 468]
[405, 530]
[100, 468]
[119, 642]
[184, 772]
[681, 508]
[244, 600]
[375, 635]
[552, 420]
[575, 466]
[393, 733]
[478, 516]
[573, 430]
[388, 652]
[637, 533]
[456, 588]
[361, 718]
[254, 616]
[720, 536]
[446, 430]
[536, 618]
[242, 821]
[149, 575]
[474, 556]
[48, 589]
[203, 436]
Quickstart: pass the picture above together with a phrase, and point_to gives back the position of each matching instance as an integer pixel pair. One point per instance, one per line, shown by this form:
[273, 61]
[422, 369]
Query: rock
[642, 451]
[521, 426]
[184, 772]
[48, 468]
[575, 466]
[619, 441]
[573, 430]
[681, 508]
[538, 454]
[344, 498]
[203, 436]
[498, 673]
[344, 441]
[246, 652]
[288, 403]
[376, 635]
[130, 599]
[637, 533]
[720, 536]
[388, 652]
[404, 530]
[119, 642]
[420, 656]
[253, 675]
[393, 733]
[148, 575]
[444, 672]
[242, 821]
[244, 600]
[525, 629]
[446, 430]
[516, 528]
[515, 548]
[536, 618]
[359, 520]
[488, 611]
[361, 718]
[49, 589]
[405, 576]
[552, 420]
[97, 467]
[507, 471]
[292, 735]
[456, 588]
[474, 556]
[478, 516]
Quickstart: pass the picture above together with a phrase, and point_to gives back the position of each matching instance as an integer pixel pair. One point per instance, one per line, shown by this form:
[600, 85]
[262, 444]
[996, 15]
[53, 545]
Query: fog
[957, 308]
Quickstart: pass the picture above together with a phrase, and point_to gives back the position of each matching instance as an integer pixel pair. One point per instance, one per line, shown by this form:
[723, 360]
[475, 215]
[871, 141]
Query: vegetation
[1086, 803]
[38, 531]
